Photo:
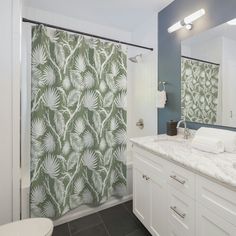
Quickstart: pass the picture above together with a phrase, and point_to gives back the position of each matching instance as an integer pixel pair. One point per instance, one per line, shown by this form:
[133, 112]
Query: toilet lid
[28, 227]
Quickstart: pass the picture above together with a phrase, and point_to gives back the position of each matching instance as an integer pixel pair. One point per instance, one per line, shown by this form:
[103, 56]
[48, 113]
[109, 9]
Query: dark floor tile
[84, 223]
[98, 230]
[139, 232]
[61, 230]
[129, 206]
[118, 221]
[141, 227]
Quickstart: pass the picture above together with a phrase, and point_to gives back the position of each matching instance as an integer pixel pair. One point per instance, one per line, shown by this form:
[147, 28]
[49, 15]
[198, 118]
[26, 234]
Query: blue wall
[169, 47]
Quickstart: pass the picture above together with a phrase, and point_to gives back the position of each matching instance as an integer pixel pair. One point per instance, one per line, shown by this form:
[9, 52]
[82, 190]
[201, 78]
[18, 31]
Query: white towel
[207, 144]
[227, 137]
[161, 99]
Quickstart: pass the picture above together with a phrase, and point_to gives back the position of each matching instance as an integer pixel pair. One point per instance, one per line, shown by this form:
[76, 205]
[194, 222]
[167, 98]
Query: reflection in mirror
[208, 76]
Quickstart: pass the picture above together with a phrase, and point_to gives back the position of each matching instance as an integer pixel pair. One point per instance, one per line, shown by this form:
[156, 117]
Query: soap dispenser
[171, 129]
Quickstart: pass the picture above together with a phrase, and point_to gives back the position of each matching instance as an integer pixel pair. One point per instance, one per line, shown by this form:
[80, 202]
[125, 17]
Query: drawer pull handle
[174, 177]
[146, 177]
[174, 208]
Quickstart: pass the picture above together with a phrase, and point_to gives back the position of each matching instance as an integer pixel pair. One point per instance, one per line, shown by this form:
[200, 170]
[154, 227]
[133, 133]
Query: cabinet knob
[146, 177]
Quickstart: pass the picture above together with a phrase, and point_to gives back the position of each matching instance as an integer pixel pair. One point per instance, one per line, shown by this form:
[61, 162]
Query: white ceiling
[122, 14]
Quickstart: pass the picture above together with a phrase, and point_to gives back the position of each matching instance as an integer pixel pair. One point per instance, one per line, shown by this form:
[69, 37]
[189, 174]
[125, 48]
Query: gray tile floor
[115, 221]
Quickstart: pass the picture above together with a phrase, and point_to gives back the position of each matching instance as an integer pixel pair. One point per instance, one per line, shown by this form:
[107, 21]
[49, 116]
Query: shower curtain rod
[86, 34]
[195, 59]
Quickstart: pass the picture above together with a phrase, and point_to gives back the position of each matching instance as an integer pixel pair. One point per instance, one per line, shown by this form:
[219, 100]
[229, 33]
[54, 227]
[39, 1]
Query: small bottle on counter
[171, 129]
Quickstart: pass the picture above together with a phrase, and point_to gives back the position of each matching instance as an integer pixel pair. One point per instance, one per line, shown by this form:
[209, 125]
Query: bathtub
[82, 210]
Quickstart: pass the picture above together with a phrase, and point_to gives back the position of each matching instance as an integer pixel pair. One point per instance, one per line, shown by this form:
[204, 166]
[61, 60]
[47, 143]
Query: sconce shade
[175, 27]
[187, 21]
[232, 22]
[196, 15]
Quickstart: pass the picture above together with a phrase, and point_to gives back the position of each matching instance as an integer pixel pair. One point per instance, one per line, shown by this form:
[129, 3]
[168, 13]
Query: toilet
[28, 227]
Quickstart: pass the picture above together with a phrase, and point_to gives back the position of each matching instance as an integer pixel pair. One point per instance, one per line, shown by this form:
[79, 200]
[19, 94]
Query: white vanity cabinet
[173, 201]
[208, 224]
[216, 209]
[150, 194]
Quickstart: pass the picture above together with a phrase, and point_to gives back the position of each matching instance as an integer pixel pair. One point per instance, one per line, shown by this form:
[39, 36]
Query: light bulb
[232, 22]
[191, 18]
[175, 27]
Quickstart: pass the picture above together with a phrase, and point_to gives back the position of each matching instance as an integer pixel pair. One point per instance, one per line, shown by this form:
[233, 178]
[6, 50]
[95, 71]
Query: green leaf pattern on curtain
[199, 91]
[78, 122]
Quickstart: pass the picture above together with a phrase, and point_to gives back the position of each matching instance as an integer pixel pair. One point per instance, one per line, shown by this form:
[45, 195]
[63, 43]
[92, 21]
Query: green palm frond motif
[199, 91]
[78, 122]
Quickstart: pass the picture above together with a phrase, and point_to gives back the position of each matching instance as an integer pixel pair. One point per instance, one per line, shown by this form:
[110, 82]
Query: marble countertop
[221, 167]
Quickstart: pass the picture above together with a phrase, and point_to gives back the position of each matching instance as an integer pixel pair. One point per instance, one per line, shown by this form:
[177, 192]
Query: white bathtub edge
[87, 211]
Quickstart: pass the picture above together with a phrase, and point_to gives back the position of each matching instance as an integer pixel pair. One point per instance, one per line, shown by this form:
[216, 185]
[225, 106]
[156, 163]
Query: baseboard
[84, 211]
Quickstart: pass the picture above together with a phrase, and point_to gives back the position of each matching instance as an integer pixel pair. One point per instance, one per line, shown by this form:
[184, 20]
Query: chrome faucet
[186, 130]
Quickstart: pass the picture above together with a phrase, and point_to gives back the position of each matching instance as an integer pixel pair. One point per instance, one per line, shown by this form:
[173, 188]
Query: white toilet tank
[28, 227]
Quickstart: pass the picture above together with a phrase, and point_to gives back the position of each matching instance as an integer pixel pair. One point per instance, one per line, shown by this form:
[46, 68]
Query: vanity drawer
[174, 230]
[182, 180]
[217, 198]
[143, 159]
[147, 168]
[181, 213]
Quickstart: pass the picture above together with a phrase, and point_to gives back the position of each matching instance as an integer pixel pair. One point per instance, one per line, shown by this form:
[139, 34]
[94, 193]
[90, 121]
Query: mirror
[208, 76]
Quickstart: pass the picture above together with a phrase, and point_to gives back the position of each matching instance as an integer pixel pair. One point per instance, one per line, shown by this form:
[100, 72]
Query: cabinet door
[158, 212]
[209, 223]
[150, 194]
[140, 196]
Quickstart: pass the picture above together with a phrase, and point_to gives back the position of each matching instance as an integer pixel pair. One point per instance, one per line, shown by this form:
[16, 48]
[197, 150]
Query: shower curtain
[199, 90]
[78, 122]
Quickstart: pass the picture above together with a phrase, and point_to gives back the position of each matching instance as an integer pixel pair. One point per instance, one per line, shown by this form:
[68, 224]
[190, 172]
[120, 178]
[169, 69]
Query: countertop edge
[195, 171]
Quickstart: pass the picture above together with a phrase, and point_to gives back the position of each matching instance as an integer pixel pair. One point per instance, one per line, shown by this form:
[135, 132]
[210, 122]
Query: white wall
[208, 50]
[185, 50]
[72, 23]
[6, 112]
[228, 82]
[144, 79]
[9, 106]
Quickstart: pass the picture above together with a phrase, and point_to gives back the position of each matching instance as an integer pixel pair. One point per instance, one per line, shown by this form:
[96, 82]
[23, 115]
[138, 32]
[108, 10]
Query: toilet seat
[28, 227]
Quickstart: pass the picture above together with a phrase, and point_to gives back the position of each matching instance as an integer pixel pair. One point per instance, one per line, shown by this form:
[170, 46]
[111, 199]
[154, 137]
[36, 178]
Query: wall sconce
[187, 22]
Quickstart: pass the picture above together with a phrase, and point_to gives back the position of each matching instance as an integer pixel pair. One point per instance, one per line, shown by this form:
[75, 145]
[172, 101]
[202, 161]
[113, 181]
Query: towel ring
[163, 83]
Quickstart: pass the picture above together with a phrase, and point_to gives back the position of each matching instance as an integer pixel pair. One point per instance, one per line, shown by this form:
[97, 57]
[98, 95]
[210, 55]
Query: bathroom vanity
[180, 191]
